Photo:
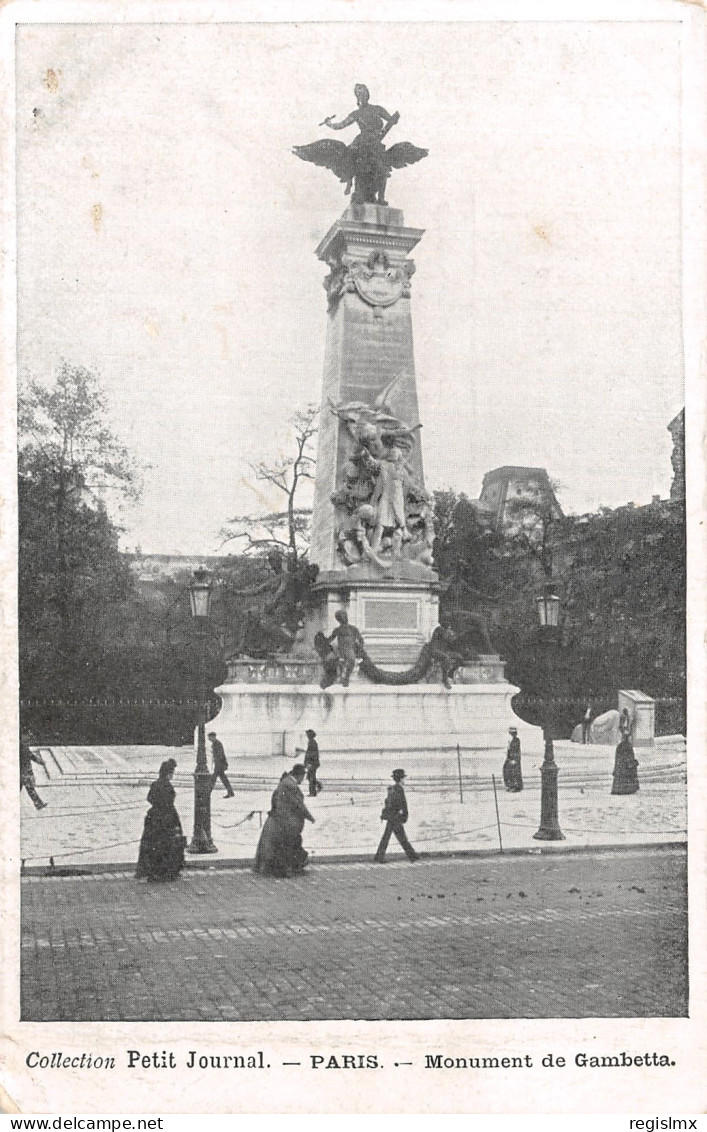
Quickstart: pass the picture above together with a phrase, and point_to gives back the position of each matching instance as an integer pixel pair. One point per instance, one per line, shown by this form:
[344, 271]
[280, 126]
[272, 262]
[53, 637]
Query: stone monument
[372, 671]
[372, 529]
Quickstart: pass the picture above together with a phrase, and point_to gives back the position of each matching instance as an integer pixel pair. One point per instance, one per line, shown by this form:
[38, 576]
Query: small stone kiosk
[372, 526]
[641, 709]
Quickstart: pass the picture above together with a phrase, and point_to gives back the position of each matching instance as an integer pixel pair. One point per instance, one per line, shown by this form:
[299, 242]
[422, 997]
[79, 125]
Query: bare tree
[286, 530]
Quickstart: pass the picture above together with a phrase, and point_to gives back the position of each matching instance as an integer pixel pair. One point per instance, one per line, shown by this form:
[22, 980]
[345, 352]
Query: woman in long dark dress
[280, 851]
[625, 780]
[162, 845]
[512, 774]
[270, 854]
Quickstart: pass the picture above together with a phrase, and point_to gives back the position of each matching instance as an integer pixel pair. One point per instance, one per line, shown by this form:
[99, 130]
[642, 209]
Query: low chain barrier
[496, 823]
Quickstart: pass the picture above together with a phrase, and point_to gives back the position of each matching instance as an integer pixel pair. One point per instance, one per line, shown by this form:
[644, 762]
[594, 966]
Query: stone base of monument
[263, 718]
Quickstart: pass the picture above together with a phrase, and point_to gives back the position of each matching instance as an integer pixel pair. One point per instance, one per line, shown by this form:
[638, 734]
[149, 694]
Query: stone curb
[246, 863]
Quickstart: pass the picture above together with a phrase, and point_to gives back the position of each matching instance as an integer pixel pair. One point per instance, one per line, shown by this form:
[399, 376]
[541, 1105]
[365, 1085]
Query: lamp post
[549, 614]
[200, 598]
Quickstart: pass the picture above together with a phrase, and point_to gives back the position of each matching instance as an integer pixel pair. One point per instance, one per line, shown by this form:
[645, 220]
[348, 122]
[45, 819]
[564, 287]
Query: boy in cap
[395, 814]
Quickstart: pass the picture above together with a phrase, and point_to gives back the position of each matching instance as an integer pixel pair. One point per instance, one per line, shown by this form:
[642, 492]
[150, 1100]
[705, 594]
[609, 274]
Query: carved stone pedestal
[261, 719]
[396, 618]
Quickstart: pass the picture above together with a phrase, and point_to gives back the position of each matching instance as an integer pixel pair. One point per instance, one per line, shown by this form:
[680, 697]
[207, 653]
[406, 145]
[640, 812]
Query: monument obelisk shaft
[369, 370]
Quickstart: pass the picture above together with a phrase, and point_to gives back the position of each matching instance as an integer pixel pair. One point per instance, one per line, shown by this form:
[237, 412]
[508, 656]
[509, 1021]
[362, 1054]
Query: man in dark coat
[311, 763]
[291, 813]
[395, 814]
[220, 764]
[27, 757]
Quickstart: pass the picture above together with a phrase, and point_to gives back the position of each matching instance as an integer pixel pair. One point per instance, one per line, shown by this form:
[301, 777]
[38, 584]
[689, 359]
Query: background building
[504, 488]
[676, 428]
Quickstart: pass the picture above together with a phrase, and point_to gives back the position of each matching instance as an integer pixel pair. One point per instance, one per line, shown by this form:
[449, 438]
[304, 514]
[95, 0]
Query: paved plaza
[97, 803]
[568, 935]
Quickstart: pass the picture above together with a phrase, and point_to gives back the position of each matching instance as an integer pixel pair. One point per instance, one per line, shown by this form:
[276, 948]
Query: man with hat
[395, 814]
[311, 763]
[512, 777]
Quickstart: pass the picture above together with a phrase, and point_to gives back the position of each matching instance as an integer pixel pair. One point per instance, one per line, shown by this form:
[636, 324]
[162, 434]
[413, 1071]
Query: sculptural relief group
[384, 512]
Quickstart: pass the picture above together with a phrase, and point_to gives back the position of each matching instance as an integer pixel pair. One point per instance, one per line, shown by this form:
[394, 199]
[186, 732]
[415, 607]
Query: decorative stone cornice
[381, 228]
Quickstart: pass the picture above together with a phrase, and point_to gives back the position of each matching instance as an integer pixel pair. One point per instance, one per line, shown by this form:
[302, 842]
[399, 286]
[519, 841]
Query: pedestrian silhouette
[395, 814]
[512, 776]
[312, 763]
[161, 856]
[587, 722]
[625, 777]
[625, 724]
[27, 779]
[280, 852]
[220, 765]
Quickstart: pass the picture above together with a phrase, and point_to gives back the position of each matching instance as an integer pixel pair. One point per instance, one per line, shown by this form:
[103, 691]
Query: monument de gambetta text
[372, 671]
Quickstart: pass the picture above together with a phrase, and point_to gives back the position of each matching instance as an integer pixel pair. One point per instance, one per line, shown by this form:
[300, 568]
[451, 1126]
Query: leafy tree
[467, 550]
[621, 578]
[625, 595]
[72, 575]
[532, 524]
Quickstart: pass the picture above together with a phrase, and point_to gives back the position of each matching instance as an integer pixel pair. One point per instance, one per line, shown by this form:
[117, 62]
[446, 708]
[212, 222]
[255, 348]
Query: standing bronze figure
[365, 164]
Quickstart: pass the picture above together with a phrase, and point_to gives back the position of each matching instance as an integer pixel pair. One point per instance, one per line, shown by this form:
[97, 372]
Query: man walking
[395, 814]
[220, 764]
[27, 779]
[311, 763]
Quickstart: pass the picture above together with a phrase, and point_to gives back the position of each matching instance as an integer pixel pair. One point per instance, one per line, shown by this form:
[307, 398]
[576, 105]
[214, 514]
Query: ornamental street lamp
[200, 598]
[548, 605]
[549, 613]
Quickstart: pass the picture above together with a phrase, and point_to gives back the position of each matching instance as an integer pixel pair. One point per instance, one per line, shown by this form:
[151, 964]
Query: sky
[166, 239]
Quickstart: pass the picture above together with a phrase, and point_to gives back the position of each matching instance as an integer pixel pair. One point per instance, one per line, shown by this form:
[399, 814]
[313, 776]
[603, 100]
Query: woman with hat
[161, 854]
[280, 852]
[512, 777]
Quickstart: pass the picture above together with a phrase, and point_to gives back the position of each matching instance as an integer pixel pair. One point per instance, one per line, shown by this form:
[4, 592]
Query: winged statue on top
[365, 164]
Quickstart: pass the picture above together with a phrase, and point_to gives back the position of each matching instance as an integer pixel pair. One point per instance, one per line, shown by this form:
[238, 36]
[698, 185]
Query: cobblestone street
[593, 934]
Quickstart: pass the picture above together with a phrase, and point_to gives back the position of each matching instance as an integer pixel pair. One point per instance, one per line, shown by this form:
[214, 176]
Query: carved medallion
[379, 284]
[375, 280]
